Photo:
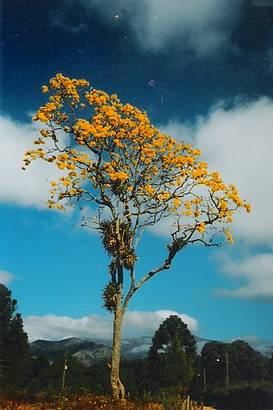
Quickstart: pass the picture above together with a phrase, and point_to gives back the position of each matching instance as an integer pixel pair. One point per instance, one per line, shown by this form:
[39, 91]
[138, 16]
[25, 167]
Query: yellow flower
[40, 116]
[66, 182]
[247, 208]
[201, 227]
[229, 236]
[58, 206]
[122, 176]
[164, 196]
[176, 202]
[149, 189]
[71, 166]
[45, 89]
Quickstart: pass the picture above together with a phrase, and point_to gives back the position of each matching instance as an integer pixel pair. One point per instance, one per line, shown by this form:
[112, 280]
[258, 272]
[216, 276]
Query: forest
[228, 375]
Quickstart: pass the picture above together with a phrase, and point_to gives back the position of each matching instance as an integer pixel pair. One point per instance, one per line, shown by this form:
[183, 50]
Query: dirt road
[209, 408]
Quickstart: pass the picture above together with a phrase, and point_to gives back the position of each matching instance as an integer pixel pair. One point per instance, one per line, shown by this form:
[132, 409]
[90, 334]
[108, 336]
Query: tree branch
[173, 248]
[131, 290]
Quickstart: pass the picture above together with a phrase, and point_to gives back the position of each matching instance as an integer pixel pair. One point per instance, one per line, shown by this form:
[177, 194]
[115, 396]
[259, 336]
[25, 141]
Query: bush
[243, 397]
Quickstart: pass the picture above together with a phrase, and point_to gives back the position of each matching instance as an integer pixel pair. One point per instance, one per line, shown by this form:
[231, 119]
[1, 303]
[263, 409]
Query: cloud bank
[26, 188]
[52, 327]
[200, 26]
[256, 274]
[238, 142]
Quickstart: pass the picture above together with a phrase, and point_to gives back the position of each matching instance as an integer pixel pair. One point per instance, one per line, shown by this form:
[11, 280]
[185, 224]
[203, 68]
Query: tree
[172, 355]
[172, 331]
[14, 350]
[132, 176]
[270, 367]
[244, 363]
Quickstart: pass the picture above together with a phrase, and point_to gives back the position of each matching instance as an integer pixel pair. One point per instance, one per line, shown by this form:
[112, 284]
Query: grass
[86, 402]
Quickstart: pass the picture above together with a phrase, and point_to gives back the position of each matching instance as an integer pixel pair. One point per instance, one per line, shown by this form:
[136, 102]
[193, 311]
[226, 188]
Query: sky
[203, 72]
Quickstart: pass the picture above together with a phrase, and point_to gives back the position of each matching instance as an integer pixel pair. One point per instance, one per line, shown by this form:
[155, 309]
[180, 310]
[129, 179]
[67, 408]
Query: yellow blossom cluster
[116, 153]
[65, 91]
[201, 227]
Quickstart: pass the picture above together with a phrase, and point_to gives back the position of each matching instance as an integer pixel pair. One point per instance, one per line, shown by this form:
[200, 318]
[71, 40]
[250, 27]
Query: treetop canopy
[111, 155]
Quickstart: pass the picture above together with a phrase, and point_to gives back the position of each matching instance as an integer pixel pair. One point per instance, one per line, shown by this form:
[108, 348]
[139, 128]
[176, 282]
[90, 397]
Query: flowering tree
[115, 161]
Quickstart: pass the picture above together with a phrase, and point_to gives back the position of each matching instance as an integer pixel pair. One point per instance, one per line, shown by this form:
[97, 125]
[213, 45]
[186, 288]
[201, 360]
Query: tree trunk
[118, 390]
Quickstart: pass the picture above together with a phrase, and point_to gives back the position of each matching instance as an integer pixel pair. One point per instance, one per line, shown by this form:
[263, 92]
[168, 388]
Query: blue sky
[203, 72]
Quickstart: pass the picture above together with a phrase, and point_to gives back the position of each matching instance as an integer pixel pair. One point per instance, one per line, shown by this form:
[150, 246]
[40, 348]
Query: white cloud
[148, 322]
[261, 345]
[6, 277]
[238, 142]
[200, 26]
[183, 132]
[51, 327]
[141, 349]
[30, 187]
[256, 274]
[136, 323]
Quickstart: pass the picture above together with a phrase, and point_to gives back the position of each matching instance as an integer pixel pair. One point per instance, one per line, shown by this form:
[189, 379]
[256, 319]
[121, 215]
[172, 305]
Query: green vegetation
[172, 356]
[171, 370]
[15, 356]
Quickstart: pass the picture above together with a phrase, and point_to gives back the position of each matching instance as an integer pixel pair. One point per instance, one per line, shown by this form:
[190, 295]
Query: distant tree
[244, 363]
[136, 375]
[132, 177]
[213, 363]
[14, 350]
[270, 367]
[172, 355]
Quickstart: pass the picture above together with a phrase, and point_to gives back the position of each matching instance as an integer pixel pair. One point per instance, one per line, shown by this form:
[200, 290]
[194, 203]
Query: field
[77, 403]
[90, 402]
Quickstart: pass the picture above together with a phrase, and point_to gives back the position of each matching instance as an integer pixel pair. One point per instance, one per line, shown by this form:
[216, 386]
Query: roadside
[209, 408]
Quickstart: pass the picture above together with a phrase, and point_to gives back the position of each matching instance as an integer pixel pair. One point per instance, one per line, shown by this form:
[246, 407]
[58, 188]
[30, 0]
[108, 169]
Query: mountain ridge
[89, 351]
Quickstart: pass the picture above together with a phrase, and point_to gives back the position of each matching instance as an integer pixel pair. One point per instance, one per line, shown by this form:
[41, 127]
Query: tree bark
[118, 390]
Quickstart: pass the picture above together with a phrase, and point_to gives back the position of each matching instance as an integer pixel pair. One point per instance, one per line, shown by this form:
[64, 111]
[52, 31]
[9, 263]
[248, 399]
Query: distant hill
[90, 351]
[86, 351]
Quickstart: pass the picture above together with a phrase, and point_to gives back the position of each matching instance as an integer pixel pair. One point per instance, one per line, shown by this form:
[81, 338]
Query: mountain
[88, 352]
